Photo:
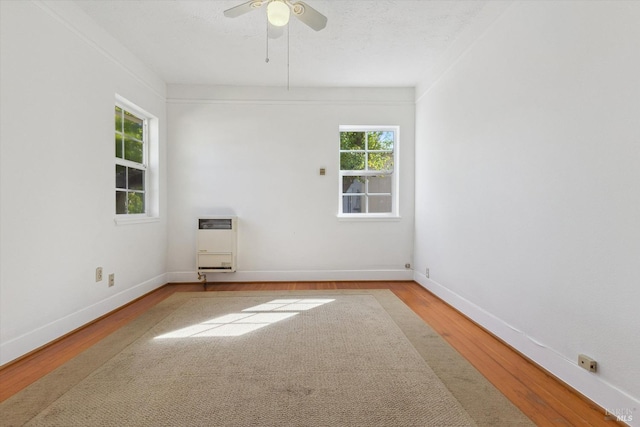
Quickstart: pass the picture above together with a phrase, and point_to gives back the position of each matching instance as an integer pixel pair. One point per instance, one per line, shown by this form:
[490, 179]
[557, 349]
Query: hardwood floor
[544, 399]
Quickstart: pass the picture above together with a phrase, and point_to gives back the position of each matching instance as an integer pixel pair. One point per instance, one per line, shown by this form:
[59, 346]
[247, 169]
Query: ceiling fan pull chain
[267, 58]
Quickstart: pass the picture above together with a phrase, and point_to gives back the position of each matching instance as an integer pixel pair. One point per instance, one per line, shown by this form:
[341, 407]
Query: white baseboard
[590, 385]
[45, 334]
[293, 276]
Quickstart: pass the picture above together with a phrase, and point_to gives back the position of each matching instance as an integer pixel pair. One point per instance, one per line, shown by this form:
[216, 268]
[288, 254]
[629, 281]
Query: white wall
[59, 76]
[256, 152]
[527, 189]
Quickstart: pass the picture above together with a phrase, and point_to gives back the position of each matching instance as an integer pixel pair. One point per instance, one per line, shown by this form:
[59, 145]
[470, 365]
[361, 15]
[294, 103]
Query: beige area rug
[285, 358]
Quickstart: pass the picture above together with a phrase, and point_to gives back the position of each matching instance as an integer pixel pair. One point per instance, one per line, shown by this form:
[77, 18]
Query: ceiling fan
[279, 11]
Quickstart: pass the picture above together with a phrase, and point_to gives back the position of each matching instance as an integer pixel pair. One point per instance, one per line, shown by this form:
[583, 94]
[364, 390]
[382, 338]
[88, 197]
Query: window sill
[126, 220]
[359, 217]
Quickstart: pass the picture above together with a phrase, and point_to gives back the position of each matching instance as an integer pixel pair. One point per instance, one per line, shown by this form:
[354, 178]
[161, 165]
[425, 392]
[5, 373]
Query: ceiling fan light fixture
[278, 13]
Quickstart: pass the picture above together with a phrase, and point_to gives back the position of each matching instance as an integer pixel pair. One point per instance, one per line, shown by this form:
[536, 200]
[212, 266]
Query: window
[137, 163]
[368, 171]
[131, 166]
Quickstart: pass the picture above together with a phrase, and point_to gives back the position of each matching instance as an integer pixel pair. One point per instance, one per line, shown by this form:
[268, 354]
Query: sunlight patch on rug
[236, 324]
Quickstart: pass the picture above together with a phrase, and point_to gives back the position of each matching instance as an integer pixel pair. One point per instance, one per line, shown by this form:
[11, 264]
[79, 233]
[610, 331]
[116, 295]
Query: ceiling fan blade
[243, 8]
[275, 32]
[309, 15]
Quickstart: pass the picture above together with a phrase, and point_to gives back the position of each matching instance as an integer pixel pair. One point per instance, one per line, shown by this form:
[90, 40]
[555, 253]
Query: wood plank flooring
[544, 399]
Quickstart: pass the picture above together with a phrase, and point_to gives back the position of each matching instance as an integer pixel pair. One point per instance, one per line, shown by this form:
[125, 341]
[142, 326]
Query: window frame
[394, 214]
[148, 166]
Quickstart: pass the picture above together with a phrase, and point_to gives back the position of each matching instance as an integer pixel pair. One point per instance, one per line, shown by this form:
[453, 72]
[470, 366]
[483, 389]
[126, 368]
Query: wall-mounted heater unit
[217, 244]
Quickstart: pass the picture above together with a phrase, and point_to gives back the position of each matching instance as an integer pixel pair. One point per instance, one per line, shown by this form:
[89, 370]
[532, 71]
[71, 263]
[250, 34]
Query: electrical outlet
[427, 273]
[99, 274]
[112, 279]
[587, 363]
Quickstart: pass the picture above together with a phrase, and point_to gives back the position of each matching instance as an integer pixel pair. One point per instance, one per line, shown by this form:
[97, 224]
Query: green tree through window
[130, 142]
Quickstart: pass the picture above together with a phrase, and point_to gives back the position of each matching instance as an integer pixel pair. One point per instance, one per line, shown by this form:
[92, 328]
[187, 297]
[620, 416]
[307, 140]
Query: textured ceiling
[367, 43]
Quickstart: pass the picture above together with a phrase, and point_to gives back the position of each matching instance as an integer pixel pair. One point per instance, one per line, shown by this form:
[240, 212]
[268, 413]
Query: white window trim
[394, 215]
[150, 166]
[135, 219]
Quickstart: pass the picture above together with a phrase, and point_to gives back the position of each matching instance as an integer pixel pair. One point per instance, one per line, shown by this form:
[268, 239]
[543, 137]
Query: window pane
[352, 161]
[381, 140]
[118, 119]
[119, 148]
[353, 184]
[380, 161]
[130, 147]
[353, 204]
[380, 184]
[121, 202]
[121, 176]
[352, 140]
[133, 150]
[136, 179]
[132, 126]
[379, 204]
[368, 155]
[135, 203]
